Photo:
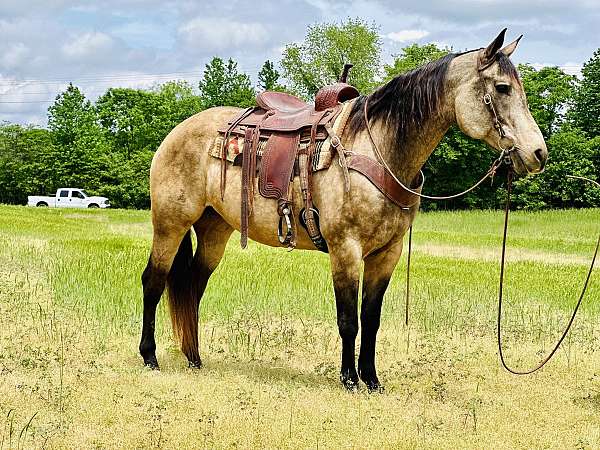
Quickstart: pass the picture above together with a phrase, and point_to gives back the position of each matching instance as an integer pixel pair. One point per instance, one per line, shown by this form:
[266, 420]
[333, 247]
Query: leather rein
[504, 158]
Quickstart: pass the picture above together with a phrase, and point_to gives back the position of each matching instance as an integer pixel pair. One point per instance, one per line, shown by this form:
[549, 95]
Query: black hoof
[197, 364]
[350, 381]
[375, 387]
[151, 363]
[369, 377]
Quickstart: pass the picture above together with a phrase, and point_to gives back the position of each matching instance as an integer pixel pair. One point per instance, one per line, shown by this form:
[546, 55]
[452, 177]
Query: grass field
[70, 375]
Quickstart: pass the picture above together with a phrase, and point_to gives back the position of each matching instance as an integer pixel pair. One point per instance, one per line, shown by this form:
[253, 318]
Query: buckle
[335, 141]
[487, 99]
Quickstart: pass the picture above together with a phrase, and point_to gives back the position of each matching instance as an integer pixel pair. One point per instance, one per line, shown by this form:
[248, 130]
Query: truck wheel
[92, 205]
[42, 205]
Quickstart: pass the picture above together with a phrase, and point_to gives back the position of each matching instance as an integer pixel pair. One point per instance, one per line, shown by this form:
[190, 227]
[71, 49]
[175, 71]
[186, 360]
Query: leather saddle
[284, 121]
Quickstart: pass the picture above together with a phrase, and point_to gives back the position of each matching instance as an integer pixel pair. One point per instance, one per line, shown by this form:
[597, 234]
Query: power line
[28, 101]
[100, 78]
[108, 78]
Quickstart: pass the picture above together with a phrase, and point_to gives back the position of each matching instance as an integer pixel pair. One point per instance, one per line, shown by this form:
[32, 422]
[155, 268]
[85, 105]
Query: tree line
[107, 146]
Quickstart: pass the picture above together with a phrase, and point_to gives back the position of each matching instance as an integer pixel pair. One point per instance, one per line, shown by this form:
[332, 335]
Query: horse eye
[503, 88]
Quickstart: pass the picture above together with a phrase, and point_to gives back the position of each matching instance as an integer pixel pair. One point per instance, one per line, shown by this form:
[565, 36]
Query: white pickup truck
[68, 198]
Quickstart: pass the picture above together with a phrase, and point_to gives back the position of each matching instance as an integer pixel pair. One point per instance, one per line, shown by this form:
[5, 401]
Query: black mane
[413, 97]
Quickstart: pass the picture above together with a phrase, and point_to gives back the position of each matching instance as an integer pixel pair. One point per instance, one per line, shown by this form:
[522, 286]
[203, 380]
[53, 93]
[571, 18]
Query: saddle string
[501, 288]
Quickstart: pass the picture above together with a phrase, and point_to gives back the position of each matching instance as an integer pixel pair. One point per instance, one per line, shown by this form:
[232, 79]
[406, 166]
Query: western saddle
[285, 121]
[286, 131]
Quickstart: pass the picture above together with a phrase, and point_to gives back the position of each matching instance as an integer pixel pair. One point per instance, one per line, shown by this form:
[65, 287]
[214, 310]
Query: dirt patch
[486, 254]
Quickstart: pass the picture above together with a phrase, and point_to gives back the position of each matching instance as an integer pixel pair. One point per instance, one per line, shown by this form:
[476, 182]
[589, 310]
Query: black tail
[184, 285]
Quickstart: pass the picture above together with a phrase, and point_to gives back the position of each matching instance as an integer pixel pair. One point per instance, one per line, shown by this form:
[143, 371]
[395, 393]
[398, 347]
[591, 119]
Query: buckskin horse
[363, 213]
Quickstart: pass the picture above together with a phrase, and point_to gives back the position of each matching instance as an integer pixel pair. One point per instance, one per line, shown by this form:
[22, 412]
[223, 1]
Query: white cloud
[15, 56]
[572, 68]
[407, 35]
[217, 34]
[88, 44]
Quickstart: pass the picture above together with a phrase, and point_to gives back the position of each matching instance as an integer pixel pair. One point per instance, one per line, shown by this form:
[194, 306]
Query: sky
[45, 44]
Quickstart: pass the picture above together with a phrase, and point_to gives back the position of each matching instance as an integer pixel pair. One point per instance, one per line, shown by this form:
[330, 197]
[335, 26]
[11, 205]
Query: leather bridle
[504, 158]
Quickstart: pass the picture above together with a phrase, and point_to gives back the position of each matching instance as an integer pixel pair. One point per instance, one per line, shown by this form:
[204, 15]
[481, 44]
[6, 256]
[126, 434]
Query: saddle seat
[280, 101]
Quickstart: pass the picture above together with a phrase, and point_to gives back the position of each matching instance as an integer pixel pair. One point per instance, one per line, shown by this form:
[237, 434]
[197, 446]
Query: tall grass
[94, 260]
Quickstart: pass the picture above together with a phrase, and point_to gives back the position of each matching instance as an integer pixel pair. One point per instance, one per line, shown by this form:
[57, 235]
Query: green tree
[413, 56]
[180, 101]
[549, 94]
[320, 58]
[223, 85]
[268, 78]
[70, 113]
[586, 111]
[77, 134]
[132, 119]
[27, 166]
[126, 180]
[571, 154]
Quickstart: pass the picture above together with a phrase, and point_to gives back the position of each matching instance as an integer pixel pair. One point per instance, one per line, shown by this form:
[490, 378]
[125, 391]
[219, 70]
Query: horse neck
[406, 158]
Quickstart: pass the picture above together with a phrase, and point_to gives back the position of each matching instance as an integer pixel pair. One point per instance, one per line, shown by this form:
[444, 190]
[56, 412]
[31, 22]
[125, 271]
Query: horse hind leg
[154, 278]
[189, 277]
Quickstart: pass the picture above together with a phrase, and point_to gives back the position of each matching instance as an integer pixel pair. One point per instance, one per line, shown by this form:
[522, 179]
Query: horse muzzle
[529, 163]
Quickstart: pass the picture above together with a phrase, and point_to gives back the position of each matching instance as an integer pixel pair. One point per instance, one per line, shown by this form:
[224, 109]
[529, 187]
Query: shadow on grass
[281, 372]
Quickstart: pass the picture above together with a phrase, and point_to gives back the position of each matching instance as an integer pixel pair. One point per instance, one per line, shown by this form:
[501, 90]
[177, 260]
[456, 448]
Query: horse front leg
[377, 273]
[345, 266]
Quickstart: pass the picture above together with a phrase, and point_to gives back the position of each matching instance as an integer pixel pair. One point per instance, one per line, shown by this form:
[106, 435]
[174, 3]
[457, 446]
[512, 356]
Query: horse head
[490, 104]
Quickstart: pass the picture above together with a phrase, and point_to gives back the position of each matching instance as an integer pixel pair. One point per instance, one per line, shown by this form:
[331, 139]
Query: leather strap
[247, 179]
[386, 184]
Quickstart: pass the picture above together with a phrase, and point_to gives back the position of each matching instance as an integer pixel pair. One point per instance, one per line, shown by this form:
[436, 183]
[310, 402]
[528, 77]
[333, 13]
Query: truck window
[64, 193]
[77, 194]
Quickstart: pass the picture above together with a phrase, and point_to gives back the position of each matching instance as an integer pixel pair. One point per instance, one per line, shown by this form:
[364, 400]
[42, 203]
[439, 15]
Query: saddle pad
[322, 155]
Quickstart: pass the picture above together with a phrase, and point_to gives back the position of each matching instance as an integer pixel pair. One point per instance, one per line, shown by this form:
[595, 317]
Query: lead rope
[408, 277]
[500, 291]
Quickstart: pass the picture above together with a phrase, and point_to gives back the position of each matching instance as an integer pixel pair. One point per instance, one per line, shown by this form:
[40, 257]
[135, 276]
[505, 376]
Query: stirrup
[288, 239]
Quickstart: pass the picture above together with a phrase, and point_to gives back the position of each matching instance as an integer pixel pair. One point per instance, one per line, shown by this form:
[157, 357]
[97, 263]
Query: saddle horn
[344, 75]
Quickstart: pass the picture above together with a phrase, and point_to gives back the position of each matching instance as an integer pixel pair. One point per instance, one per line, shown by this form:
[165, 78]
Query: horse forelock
[506, 66]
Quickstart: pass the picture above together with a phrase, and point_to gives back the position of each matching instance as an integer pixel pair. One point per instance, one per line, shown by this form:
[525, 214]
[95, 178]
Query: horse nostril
[539, 154]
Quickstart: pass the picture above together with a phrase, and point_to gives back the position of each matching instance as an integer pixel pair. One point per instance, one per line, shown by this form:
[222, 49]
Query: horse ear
[510, 48]
[489, 54]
